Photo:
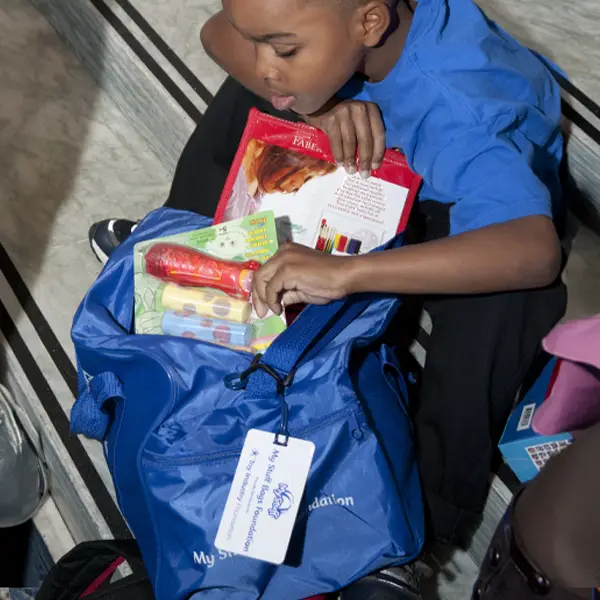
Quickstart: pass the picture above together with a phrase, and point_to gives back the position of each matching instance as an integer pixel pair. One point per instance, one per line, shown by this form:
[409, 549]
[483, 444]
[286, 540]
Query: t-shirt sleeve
[485, 169]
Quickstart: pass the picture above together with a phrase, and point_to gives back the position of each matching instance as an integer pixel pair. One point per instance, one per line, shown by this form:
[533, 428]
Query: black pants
[479, 351]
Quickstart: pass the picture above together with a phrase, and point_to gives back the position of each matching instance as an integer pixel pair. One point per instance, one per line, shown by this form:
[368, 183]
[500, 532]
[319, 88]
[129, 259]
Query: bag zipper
[350, 413]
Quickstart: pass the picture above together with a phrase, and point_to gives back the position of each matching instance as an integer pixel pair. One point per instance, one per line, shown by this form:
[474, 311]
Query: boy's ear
[373, 19]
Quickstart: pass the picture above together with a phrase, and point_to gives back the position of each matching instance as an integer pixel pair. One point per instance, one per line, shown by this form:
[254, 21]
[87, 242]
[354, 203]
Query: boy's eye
[286, 53]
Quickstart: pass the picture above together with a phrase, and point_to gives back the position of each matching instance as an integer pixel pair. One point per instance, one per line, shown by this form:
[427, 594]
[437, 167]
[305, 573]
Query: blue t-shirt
[477, 115]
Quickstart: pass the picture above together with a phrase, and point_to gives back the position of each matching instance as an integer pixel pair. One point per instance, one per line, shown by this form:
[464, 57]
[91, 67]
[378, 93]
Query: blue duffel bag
[173, 414]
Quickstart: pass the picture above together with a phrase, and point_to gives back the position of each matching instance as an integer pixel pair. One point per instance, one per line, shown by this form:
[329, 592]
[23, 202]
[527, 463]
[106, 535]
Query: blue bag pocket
[189, 493]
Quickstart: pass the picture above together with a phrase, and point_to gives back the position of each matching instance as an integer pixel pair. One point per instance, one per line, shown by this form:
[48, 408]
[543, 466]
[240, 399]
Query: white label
[526, 417]
[265, 497]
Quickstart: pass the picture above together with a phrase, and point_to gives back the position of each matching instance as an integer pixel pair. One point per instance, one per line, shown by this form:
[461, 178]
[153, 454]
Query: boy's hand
[297, 274]
[351, 124]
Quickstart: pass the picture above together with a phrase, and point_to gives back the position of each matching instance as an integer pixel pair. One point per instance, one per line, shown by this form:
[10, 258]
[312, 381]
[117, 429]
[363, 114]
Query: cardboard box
[525, 451]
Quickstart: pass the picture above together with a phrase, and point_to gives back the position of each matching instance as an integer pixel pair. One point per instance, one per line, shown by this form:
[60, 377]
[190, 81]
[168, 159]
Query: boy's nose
[266, 72]
[269, 75]
[264, 64]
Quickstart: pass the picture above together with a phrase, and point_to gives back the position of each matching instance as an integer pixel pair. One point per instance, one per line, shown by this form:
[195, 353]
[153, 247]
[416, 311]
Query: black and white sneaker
[106, 235]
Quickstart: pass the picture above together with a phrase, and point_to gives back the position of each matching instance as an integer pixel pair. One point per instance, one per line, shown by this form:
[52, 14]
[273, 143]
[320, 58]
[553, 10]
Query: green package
[252, 238]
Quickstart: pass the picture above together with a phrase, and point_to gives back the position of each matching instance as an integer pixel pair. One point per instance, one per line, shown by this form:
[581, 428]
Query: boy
[477, 115]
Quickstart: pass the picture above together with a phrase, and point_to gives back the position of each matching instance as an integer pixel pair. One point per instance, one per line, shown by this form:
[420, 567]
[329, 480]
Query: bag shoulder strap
[314, 328]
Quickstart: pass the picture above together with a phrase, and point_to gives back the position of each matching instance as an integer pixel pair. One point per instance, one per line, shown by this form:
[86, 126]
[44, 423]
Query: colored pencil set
[329, 240]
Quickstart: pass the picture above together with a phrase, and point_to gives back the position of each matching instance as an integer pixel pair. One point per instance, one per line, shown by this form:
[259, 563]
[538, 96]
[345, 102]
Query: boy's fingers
[258, 297]
[259, 286]
[290, 298]
[271, 280]
[335, 139]
[378, 133]
[364, 136]
[349, 141]
[274, 291]
[259, 306]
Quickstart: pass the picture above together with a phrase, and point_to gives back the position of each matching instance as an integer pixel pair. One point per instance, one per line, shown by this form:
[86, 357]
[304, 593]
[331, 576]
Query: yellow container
[205, 303]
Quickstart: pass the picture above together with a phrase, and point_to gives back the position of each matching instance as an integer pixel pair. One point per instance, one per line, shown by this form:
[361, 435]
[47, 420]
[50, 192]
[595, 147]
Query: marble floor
[17, 593]
[179, 24]
[564, 31]
[68, 157]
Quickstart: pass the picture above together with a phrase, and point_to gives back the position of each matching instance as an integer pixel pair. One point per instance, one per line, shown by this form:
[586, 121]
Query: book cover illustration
[288, 168]
[198, 284]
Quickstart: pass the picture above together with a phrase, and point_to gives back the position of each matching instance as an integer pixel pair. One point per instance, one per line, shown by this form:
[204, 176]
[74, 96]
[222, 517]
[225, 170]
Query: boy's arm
[519, 254]
[232, 53]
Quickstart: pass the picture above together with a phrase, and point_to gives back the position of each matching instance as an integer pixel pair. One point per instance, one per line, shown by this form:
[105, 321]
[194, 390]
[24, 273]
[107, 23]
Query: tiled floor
[583, 274]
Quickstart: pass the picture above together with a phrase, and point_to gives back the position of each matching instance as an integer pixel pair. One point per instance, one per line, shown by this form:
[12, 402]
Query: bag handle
[262, 379]
[87, 415]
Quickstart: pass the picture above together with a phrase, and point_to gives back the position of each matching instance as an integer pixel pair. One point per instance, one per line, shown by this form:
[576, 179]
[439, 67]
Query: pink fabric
[574, 400]
[103, 577]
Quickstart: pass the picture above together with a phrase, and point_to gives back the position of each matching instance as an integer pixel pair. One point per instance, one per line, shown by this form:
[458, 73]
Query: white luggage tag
[265, 496]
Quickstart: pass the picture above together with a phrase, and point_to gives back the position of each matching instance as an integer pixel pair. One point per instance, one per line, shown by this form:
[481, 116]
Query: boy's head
[306, 50]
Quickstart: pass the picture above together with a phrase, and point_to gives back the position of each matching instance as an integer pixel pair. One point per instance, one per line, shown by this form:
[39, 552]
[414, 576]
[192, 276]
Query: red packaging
[187, 267]
[288, 168]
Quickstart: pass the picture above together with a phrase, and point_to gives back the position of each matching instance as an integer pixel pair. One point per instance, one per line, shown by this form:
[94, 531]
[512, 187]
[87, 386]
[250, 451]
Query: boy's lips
[282, 102]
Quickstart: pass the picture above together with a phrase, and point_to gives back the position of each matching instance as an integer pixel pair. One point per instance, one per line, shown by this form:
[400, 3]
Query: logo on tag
[262, 504]
[283, 501]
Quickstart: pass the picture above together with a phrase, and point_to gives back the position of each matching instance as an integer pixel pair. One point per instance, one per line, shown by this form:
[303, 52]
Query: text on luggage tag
[265, 496]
